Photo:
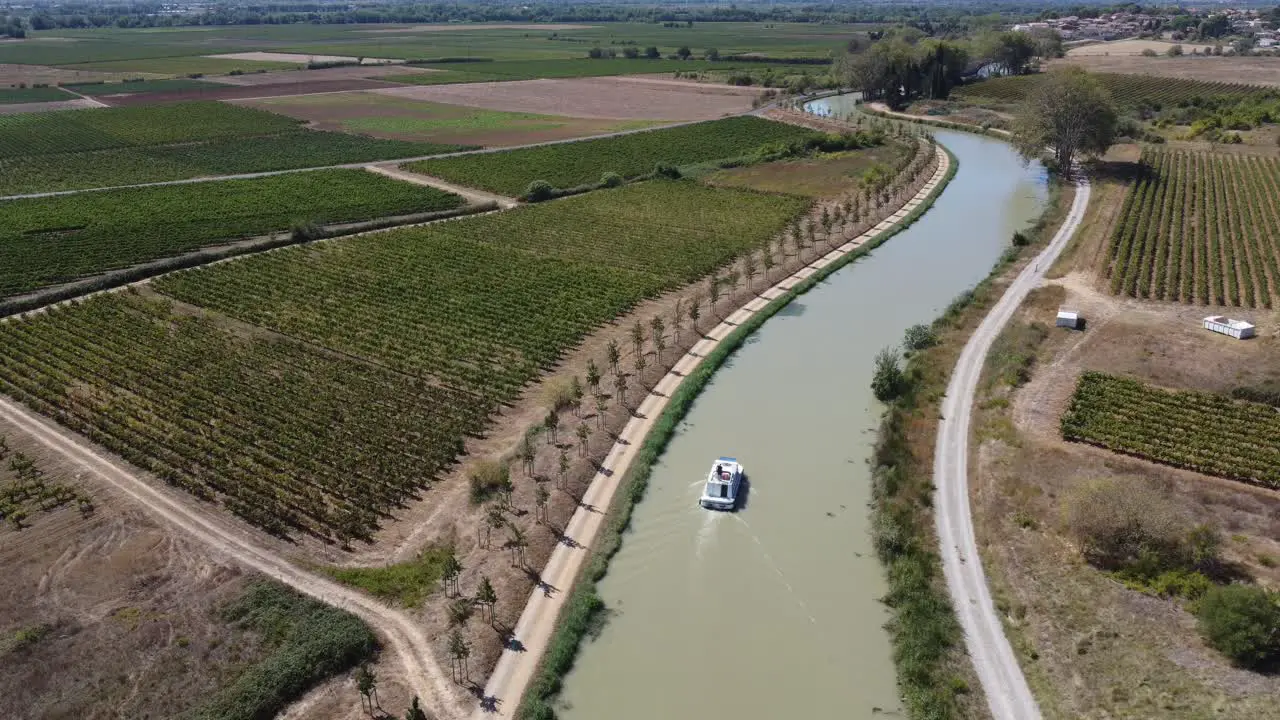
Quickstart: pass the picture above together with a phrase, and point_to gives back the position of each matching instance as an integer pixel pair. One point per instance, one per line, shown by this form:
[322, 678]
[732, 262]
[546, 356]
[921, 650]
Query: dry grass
[1093, 648]
[127, 606]
[1130, 47]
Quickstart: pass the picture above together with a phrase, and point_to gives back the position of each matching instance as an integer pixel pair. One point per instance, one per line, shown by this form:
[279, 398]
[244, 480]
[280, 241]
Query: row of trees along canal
[904, 65]
[558, 458]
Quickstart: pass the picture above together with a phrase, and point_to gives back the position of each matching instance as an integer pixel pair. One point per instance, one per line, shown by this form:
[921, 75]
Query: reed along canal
[773, 611]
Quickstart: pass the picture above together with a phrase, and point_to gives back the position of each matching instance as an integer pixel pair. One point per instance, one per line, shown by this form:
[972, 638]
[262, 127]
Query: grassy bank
[308, 640]
[582, 612]
[944, 124]
[935, 677]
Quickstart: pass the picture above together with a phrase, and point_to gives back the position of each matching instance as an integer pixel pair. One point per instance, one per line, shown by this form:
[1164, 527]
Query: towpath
[1008, 695]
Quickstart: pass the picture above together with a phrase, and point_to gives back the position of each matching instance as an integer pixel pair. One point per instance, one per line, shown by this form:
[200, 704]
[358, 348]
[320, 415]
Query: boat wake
[781, 575]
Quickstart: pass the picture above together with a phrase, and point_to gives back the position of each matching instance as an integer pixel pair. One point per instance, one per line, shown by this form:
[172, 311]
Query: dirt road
[1008, 696]
[515, 668]
[403, 637]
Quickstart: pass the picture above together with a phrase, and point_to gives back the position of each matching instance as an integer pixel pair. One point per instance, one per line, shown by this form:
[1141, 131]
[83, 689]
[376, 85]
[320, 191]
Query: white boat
[723, 484]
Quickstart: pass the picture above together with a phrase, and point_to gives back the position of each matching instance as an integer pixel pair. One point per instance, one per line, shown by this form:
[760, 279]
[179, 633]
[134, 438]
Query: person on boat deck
[718, 473]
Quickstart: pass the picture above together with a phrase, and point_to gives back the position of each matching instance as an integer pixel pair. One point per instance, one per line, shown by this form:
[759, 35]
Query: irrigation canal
[773, 611]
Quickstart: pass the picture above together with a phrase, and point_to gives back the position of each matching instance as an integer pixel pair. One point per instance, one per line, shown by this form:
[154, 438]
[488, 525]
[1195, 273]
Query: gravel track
[1008, 695]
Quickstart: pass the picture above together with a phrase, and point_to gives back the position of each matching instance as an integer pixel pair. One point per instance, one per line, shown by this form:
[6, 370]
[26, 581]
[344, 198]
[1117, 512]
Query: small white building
[1237, 329]
[1068, 319]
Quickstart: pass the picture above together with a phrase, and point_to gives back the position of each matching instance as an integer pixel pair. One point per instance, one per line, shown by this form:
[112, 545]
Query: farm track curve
[406, 639]
[1008, 694]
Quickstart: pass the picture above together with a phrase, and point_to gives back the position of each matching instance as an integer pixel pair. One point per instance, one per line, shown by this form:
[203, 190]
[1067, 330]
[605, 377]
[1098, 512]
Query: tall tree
[552, 424]
[593, 375]
[1069, 113]
[540, 498]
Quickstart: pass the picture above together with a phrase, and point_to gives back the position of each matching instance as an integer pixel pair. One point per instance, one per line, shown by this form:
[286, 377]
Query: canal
[774, 611]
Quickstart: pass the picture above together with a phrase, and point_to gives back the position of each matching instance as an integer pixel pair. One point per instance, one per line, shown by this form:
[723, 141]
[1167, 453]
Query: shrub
[1020, 239]
[1127, 526]
[1148, 52]
[888, 381]
[1242, 622]
[538, 191]
[919, 337]
[611, 180]
[667, 170]
[303, 230]
[488, 478]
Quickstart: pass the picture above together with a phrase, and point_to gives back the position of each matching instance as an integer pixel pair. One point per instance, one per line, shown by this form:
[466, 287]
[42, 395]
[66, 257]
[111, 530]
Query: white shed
[1238, 329]
[1068, 319]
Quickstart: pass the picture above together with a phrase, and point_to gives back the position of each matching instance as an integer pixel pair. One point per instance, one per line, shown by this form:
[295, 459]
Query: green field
[180, 51]
[1128, 90]
[437, 326]
[105, 128]
[140, 86]
[46, 241]
[15, 96]
[569, 165]
[1204, 432]
[49, 152]
[812, 177]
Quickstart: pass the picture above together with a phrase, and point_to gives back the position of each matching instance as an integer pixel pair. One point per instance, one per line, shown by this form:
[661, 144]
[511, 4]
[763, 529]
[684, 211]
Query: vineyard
[44, 152]
[435, 327]
[1127, 90]
[45, 241]
[1204, 432]
[1200, 228]
[568, 165]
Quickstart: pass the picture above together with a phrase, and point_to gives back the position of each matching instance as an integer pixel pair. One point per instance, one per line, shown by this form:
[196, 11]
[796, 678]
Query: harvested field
[397, 118]
[1131, 47]
[46, 107]
[211, 91]
[352, 72]
[12, 75]
[1253, 70]
[618, 98]
[302, 58]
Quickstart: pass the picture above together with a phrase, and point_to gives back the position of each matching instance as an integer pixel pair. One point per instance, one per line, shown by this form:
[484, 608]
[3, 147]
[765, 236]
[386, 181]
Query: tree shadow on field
[1118, 170]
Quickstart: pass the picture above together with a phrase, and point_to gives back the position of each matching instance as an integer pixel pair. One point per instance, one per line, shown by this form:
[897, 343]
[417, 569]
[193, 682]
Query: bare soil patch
[351, 72]
[1247, 70]
[1092, 647]
[261, 56]
[12, 75]
[127, 608]
[74, 104]
[303, 86]
[618, 98]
